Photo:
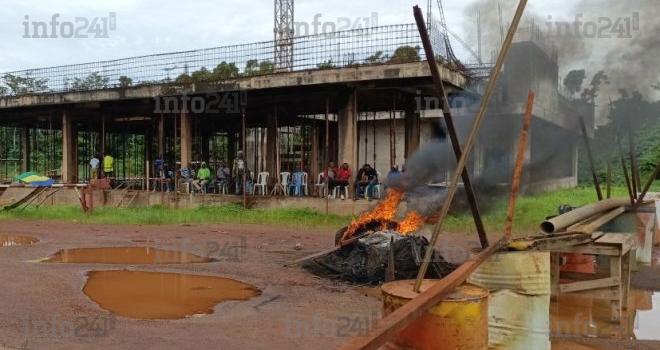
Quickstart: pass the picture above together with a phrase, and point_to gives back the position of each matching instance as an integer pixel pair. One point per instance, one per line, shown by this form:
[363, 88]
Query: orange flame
[384, 212]
[411, 223]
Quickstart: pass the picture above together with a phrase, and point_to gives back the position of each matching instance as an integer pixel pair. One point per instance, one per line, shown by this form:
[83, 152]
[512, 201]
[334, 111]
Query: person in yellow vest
[108, 165]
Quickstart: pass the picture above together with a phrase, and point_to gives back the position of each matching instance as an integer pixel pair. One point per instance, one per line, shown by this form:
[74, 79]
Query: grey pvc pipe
[562, 221]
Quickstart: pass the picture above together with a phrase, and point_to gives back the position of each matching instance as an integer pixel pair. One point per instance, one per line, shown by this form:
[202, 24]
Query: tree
[125, 81]
[254, 67]
[377, 57]
[405, 54]
[93, 81]
[3, 90]
[201, 74]
[225, 70]
[573, 81]
[24, 85]
[589, 94]
[183, 79]
[325, 65]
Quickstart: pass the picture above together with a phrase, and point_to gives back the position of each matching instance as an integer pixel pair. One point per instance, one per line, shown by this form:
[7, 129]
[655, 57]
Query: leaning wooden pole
[520, 159]
[471, 140]
[592, 163]
[451, 129]
[625, 173]
[647, 187]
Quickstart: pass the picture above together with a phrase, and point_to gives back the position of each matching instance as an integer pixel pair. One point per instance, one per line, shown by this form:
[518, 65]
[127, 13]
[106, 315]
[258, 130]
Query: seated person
[367, 178]
[342, 176]
[168, 177]
[223, 176]
[203, 178]
[187, 174]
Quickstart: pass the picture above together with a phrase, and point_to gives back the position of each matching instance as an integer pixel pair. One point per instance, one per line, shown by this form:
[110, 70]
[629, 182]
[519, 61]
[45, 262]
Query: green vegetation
[157, 215]
[530, 212]
[404, 54]
[93, 81]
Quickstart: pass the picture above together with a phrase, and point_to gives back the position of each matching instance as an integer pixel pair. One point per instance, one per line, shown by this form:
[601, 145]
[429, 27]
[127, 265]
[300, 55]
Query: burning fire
[411, 223]
[383, 214]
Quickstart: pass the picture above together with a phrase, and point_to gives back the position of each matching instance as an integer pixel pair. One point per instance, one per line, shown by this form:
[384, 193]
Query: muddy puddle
[14, 240]
[587, 317]
[125, 255]
[156, 295]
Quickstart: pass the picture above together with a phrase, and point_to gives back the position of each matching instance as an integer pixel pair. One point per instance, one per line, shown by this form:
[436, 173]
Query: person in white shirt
[94, 166]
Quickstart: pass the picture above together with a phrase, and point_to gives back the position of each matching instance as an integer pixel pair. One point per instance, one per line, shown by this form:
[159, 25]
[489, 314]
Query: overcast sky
[150, 26]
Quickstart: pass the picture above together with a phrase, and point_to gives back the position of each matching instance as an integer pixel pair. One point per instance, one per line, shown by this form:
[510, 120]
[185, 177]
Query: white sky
[150, 26]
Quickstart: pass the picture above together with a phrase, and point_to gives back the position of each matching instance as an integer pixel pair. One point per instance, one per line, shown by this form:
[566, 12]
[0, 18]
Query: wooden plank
[592, 249]
[603, 294]
[624, 240]
[555, 271]
[615, 271]
[412, 310]
[586, 285]
[600, 221]
[558, 243]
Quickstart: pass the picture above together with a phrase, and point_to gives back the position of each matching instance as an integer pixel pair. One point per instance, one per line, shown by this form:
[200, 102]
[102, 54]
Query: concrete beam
[280, 80]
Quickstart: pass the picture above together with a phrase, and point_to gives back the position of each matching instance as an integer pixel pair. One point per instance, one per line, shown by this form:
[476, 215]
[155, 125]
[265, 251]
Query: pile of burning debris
[379, 248]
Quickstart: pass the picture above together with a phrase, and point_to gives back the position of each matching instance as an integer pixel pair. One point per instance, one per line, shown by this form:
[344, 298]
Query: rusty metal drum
[460, 322]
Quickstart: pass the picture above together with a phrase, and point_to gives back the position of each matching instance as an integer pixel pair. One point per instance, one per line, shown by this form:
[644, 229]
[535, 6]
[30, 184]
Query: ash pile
[379, 257]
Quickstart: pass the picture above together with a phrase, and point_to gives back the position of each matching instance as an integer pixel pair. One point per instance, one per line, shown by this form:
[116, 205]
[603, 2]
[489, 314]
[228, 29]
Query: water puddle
[156, 295]
[587, 317]
[12, 240]
[125, 255]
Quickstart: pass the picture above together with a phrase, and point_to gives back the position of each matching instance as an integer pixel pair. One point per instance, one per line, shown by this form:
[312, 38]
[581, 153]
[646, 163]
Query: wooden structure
[617, 247]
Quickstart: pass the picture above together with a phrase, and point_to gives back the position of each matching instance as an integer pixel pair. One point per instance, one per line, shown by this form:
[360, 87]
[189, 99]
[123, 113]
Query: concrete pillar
[314, 161]
[25, 148]
[412, 129]
[272, 145]
[348, 138]
[161, 135]
[102, 136]
[68, 154]
[206, 139]
[186, 139]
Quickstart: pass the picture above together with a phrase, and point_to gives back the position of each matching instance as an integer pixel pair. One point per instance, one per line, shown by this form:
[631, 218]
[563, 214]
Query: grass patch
[158, 215]
[530, 212]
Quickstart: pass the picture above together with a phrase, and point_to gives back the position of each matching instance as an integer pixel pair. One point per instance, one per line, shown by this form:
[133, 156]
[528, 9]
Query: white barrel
[522, 272]
[519, 303]
[518, 321]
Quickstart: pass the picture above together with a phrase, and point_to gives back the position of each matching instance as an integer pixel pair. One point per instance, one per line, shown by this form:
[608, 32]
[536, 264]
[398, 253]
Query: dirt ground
[289, 295]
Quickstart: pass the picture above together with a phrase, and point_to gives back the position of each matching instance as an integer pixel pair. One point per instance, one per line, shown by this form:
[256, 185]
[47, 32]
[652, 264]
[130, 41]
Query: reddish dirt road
[289, 295]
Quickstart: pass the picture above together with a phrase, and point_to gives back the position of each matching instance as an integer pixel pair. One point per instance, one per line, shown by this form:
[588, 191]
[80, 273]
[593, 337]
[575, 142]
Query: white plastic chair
[298, 183]
[378, 189]
[320, 185]
[284, 181]
[304, 184]
[262, 183]
[336, 194]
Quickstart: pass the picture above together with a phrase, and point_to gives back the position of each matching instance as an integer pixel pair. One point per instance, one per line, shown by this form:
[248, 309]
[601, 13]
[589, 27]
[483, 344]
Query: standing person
[203, 178]
[108, 165]
[238, 169]
[367, 178]
[158, 166]
[342, 177]
[94, 166]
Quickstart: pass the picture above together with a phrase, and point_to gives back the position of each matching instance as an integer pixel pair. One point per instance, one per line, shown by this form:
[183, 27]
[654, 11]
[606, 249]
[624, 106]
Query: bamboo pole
[592, 164]
[472, 138]
[520, 158]
[647, 187]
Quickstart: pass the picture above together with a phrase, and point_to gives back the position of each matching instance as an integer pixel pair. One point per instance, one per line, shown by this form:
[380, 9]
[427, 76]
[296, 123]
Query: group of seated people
[332, 178]
[365, 181]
